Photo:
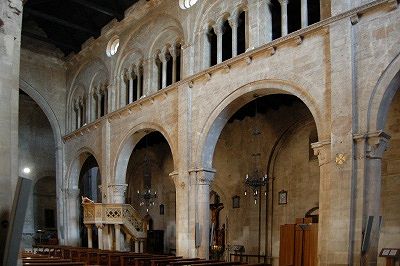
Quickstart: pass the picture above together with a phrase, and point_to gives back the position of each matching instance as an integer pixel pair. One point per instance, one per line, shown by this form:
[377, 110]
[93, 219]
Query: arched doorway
[151, 191]
[89, 182]
[269, 136]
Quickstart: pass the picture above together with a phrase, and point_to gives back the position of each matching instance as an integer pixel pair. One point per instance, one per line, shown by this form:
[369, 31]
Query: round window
[112, 46]
[185, 4]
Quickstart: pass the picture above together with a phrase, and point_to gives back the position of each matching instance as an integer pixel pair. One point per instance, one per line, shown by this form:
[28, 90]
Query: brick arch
[129, 142]
[203, 155]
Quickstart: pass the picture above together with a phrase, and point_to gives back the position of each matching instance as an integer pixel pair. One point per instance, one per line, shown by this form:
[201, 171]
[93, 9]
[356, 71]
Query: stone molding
[72, 192]
[322, 149]
[203, 176]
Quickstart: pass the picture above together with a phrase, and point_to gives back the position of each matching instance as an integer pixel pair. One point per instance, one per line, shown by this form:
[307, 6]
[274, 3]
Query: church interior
[200, 132]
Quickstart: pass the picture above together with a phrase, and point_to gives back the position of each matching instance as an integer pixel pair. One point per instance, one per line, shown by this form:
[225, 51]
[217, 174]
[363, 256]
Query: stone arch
[234, 101]
[76, 166]
[128, 144]
[382, 95]
[166, 37]
[55, 126]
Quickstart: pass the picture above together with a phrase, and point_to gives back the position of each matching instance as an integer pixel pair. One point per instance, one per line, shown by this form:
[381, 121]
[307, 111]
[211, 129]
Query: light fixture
[26, 170]
[147, 196]
[256, 181]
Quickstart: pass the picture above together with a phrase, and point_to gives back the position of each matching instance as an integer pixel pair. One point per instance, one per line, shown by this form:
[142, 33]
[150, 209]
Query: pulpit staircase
[122, 216]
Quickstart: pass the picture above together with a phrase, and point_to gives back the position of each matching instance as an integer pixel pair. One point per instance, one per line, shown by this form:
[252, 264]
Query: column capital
[100, 226]
[322, 149]
[173, 51]
[203, 176]
[89, 226]
[118, 189]
[283, 2]
[218, 27]
[371, 145]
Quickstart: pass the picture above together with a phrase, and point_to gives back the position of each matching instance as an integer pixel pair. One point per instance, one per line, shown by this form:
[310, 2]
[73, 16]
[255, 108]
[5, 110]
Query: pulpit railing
[123, 214]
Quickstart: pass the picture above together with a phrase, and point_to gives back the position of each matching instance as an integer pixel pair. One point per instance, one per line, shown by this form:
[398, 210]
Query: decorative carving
[377, 143]
[323, 150]
[271, 50]
[248, 59]
[340, 158]
[299, 39]
[354, 19]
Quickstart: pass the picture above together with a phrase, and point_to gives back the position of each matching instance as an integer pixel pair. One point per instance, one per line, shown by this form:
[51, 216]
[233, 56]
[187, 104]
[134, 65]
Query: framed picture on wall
[282, 197]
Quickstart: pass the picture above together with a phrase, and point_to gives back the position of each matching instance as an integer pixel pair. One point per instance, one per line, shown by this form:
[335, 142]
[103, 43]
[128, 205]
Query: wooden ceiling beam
[59, 21]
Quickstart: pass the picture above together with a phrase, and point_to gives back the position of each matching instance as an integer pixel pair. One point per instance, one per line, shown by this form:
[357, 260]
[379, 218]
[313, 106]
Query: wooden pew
[222, 263]
[47, 260]
[146, 261]
[129, 259]
[53, 263]
[191, 262]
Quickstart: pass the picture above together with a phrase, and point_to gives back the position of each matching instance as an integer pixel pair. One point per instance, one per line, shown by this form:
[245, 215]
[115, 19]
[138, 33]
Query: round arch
[76, 166]
[382, 96]
[238, 98]
[128, 144]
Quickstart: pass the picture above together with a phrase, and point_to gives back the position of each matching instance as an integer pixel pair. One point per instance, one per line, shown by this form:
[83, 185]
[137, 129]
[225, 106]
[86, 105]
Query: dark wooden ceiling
[69, 23]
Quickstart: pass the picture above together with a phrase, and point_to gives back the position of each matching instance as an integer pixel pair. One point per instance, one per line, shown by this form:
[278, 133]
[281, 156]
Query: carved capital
[72, 192]
[323, 150]
[377, 143]
[100, 226]
[203, 176]
[118, 190]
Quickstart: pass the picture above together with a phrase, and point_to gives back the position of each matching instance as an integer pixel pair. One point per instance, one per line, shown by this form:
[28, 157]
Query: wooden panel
[298, 244]
[310, 248]
[286, 250]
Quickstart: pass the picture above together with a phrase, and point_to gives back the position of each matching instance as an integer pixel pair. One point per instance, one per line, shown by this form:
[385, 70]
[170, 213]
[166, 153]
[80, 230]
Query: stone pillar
[284, 17]
[123, 89]
[130, 73]
[304, 14]
[233, 22]
[78, 113]
[141, 246]
[163, 58]
[370, 149]
[89, 106]
[218, 31]
[90, 237]
[117, 229]
[72, 225]
[118, 193]
[323, 150]
[203, 181]
[173, 53]
[99, 93]
[100, 235]
[10, 43]
[139, 73]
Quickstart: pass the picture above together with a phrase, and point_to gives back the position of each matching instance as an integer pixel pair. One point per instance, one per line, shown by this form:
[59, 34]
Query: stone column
[284, 17]
[90, 237]
[99, 93]
[118, 192]
[233, 22]
[130, 73]
[163, 58]
[10, 43]
[117, 229]
[141, 246]
[72, 225]
[323, 150]
[203, 181]
[370, 149]
[100, 235]
[218, 31]
[123, 88]
[304, 14]
[173, 53]
[139, 73]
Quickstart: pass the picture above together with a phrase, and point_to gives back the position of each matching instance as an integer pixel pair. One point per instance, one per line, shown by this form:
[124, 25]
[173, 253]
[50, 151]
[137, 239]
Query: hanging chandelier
[256, 181]
[146, 197]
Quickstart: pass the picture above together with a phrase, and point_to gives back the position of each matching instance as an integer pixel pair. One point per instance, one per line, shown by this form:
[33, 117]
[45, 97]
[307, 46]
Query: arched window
[226, 41]
[241, 33]
[212, 39]
[102, 104]
[275, 9]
